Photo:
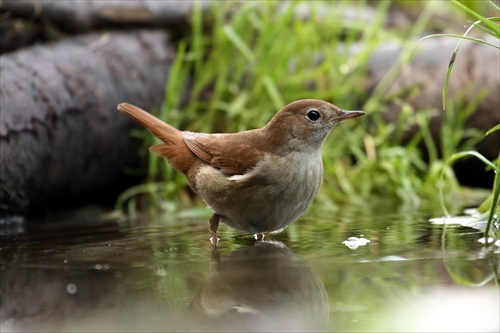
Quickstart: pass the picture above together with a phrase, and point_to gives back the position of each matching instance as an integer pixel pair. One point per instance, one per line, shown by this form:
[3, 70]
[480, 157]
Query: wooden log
[61, 137]
[82, 16]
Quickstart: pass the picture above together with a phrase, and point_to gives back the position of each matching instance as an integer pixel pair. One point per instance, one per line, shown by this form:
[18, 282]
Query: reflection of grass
[244, 61]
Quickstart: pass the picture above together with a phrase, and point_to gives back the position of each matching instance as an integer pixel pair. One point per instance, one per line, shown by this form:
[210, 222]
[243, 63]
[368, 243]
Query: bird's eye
[313, 115]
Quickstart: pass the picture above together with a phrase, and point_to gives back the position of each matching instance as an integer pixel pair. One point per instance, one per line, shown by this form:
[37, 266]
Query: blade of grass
[136, 190]
[452, 159]
[495, 202]
[494, 5]
[472, 39]
[273, 92]
[486, 29]
[494, 129]
[450, 66]
[240, 44]
[492, 26]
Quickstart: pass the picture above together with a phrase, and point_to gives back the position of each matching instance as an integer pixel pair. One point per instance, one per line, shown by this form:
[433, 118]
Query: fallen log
[82, 16]
[61, 138]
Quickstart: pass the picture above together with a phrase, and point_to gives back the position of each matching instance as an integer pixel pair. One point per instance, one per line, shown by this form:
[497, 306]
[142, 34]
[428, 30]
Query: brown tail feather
[159, 128]
[174, 149]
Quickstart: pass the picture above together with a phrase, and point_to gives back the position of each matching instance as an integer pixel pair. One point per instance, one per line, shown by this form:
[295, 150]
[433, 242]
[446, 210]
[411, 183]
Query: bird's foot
[259, 236]
[214, 240]
[213, 225]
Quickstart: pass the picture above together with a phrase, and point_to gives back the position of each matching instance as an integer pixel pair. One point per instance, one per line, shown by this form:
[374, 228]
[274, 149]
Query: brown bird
[260, 180]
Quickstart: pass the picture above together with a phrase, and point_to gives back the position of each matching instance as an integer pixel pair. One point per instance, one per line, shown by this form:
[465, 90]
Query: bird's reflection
[264, 287]
[103, 286]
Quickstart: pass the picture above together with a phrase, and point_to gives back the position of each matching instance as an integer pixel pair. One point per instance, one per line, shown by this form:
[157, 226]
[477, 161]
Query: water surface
[162, 274]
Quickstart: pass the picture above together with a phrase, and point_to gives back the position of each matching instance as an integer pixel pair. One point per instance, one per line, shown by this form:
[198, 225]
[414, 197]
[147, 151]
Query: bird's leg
[215, 262]
[259, 237]
[213, 225]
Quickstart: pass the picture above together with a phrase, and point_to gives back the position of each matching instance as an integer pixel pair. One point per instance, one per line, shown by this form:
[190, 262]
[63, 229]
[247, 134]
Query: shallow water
[161, 274]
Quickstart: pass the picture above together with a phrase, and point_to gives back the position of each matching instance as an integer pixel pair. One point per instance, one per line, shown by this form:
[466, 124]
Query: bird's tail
[174, 148]
[159, 128]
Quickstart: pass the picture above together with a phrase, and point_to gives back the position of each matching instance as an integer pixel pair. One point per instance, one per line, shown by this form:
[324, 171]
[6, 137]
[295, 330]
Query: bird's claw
[259, 236]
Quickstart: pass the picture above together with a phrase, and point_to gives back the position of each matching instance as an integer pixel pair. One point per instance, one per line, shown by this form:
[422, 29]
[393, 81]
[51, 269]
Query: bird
[257, 181]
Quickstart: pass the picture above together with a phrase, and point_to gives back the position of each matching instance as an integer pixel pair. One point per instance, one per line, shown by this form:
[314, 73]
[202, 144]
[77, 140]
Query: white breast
[269, 197]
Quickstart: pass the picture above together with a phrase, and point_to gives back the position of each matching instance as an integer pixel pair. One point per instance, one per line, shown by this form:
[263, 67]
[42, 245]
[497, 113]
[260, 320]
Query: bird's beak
[349, 114]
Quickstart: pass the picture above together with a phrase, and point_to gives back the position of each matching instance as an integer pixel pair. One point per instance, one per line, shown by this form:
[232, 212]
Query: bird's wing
[233, 154]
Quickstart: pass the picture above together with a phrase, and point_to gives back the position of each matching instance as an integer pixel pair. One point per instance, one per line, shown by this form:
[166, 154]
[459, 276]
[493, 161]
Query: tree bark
[61, 137]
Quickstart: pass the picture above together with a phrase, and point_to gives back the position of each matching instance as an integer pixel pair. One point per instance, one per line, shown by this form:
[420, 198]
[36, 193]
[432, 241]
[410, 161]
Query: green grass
[242, 62]
[491, 206]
